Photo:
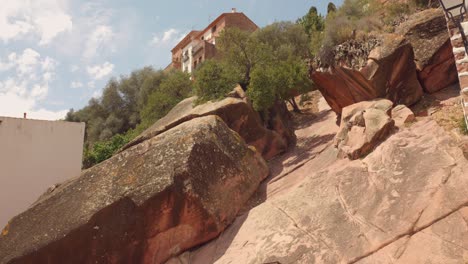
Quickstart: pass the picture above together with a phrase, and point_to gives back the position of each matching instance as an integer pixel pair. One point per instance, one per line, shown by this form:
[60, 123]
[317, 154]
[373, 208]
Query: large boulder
[363, 126]
[239, 115]
[427, 33]
[389, 73]
[392, 71]
[341, 86]
[145, 204]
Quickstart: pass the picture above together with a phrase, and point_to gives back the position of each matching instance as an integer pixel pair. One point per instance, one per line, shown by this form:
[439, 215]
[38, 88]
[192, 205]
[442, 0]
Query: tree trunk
[294, 105]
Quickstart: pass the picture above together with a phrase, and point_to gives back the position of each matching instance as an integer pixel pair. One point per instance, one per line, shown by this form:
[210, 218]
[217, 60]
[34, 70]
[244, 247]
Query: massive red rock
[154, 200]
[390, 73]
[427, 33]
[239, 115]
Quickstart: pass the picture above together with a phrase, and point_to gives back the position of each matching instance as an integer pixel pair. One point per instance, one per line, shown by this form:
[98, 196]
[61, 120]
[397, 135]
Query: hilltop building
[199, 45]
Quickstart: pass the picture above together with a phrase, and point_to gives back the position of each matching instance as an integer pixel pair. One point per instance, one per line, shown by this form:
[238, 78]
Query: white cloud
[76, 85]
[43, 18]
[168, 37]
[25, 62]
[74, 68]
[91, 84]
[98, 72]
[99, 39]
[27, 85]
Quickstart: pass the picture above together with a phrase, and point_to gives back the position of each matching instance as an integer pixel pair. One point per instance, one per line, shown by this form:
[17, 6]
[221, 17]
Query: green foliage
[331, 8]
[126, 108]
[175, 87]
[282, 79]
[214, 79]
[104, 149]
[270, 65]
[462, 126]
[118, 110]
[312, 21]
[241, 51]
[283, 39]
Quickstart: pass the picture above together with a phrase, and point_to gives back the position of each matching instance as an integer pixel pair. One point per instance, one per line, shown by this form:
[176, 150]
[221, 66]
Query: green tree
[214, 79]
[173, 89]
[281, 80]
[312, 21]
[331, 8]
[284, 39]
[239, 50]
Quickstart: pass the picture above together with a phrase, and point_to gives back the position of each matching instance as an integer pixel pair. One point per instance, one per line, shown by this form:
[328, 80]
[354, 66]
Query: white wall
[188, 64]
[34, 155]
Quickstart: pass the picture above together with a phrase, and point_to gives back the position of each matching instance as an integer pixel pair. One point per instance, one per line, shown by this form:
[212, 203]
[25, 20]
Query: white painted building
[34, 156]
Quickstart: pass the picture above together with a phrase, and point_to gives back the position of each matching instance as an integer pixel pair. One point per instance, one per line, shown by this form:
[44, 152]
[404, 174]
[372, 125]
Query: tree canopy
[270, 64]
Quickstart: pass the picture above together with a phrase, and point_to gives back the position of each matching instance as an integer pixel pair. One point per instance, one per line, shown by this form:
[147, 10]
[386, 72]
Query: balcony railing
[198, 47]
[185, 57]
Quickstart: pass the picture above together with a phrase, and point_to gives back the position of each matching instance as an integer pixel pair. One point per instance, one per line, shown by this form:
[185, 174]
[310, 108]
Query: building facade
[34, 156]
[200, 45]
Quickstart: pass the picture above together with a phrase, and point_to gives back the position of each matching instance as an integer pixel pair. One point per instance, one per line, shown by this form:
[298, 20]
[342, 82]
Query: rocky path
[407, 202]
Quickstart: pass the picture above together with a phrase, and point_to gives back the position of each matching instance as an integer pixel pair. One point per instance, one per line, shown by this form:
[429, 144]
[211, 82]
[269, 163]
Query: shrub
[102, 150]
[462, 126]
[175, 87]
[213, 80]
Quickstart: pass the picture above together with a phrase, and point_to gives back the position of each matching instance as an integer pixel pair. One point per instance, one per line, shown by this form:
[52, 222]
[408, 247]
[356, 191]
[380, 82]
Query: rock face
[427, 33]
[402, 115]
[363, 126]
[390, 73]
[147, 203]
[404, 203]
[239, 115]
[342, 87]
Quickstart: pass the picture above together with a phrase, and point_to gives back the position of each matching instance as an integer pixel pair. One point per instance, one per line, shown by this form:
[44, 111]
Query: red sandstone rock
[427, 33]
[363, 126]
[404, 203]
[154, 200]
[402, 115]
[390, 73]
[239, 115]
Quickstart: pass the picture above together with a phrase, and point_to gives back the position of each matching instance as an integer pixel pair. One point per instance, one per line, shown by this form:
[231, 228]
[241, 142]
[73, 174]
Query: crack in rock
[308, 234]
[411, 231]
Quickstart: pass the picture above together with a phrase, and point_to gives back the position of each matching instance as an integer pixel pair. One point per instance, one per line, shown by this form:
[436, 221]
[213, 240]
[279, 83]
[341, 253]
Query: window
[213, 29]
[203, 38]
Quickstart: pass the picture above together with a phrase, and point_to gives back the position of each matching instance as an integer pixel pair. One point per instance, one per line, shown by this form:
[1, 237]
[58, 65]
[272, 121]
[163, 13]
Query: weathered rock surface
[239, 115]
[390, 73]
[341, 87]
[427, 33]
[363, 126]
[402, 115]
[145, 204]
[404, 203]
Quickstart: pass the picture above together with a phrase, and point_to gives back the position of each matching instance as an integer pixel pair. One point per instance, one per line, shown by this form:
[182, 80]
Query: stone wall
[461, 61]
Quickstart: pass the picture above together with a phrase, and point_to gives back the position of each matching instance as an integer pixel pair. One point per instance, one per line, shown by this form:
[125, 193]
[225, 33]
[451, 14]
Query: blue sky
[57, 54]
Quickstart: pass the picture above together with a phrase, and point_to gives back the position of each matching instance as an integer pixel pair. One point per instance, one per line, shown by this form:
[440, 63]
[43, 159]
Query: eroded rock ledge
[239, 115]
